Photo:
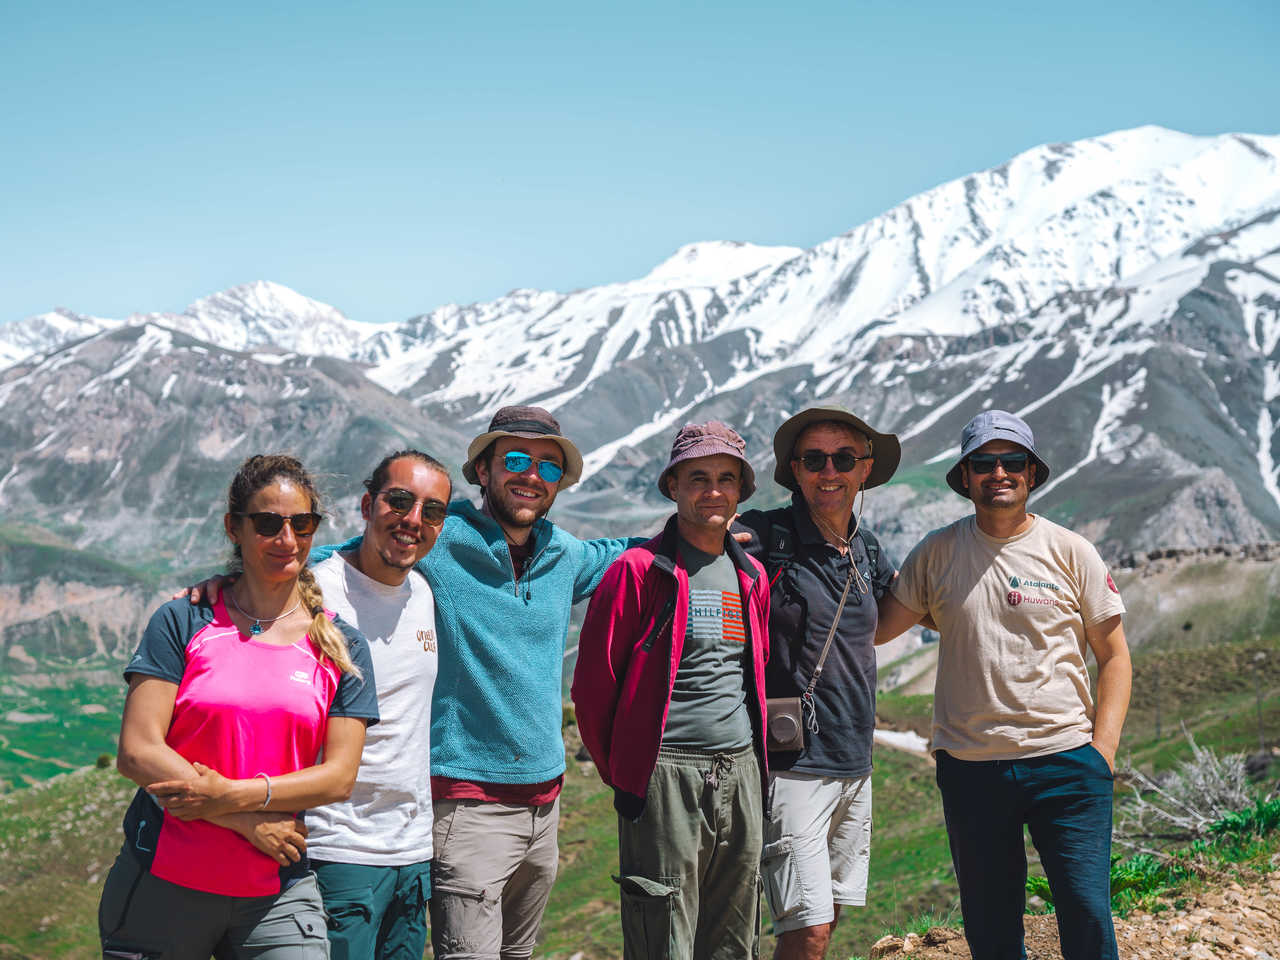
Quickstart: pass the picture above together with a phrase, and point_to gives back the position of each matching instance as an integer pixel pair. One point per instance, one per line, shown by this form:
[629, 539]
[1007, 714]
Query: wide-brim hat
[995, 425]
[532, 423]
[707, 440]
[885, 447]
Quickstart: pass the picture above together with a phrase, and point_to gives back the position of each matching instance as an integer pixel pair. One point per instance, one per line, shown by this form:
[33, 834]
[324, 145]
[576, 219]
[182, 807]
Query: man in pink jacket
[669, 692]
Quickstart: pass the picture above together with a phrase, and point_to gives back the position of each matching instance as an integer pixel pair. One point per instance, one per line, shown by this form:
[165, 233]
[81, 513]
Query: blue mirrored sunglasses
[548, 470]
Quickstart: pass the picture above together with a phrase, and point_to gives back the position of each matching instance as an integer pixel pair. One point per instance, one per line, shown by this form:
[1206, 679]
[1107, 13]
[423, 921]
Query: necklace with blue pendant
[256, 629]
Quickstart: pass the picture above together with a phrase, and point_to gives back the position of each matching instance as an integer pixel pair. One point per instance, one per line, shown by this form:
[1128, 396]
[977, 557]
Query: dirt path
[1233, 922]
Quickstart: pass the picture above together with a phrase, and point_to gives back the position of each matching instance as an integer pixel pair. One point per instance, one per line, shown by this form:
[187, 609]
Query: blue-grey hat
[995, 425]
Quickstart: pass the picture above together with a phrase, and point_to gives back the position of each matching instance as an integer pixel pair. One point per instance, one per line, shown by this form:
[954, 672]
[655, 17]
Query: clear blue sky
[387, 158]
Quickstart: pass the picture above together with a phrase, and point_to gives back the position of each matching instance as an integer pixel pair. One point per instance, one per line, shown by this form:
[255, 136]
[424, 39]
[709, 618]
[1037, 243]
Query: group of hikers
[403, 689]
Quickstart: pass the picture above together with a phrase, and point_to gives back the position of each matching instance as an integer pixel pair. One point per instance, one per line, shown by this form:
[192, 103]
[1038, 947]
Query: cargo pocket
[345, 909]
[782, 883]
[647, 924]
[303, 934]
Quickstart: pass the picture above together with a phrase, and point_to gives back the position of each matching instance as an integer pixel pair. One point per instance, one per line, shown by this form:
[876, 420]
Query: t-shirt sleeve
[911, 589]
[162, 652]
[1099, 596]
[357, 696]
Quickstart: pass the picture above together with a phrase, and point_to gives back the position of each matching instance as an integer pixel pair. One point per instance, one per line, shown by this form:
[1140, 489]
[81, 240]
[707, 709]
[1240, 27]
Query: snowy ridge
[1110, 288]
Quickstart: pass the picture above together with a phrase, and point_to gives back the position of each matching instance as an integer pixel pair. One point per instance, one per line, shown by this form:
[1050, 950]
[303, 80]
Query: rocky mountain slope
[1122, 293]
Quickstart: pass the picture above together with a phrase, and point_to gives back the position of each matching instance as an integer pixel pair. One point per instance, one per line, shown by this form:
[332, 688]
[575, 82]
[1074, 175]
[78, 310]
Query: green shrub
[1258, 820]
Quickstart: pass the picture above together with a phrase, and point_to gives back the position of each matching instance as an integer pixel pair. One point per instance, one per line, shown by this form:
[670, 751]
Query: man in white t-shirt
[1019, 602]
[372, 853]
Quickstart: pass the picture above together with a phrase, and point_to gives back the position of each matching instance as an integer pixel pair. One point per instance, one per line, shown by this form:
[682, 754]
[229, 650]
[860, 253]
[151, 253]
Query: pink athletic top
[243, 707]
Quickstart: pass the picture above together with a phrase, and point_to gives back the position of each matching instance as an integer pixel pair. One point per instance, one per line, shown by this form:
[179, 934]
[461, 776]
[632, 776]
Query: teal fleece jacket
[496, 711]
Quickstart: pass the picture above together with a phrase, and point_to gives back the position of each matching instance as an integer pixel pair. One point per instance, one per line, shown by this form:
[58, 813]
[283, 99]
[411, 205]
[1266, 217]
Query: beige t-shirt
[1011, 678]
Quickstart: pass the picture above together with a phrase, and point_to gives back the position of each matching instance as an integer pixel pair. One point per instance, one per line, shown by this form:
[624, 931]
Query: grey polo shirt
[803, 599]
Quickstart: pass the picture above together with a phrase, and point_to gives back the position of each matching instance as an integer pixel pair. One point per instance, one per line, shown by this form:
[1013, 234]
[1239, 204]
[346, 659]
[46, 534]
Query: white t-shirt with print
[387, 821]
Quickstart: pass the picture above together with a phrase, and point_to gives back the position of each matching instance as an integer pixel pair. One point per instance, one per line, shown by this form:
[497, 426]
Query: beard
[501, 511]
[1012, 498]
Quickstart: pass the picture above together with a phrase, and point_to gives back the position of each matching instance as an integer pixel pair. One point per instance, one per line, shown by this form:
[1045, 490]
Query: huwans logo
[1014, 596]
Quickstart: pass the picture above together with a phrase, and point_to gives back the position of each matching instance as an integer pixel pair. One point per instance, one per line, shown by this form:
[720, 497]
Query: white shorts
[817, 847]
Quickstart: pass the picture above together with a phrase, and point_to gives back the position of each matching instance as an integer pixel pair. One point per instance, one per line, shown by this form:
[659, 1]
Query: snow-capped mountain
[46, 331]
[260, 314]
[1120, 292]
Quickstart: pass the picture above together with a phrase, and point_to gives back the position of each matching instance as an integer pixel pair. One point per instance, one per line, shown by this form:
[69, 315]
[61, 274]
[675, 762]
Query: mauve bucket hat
[995, 425]
[706, 440]
[533, 423]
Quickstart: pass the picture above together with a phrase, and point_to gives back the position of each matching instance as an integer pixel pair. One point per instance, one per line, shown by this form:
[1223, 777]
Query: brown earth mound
[1234, 922]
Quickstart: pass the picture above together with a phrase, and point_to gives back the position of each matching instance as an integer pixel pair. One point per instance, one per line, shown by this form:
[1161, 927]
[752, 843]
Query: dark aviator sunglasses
[986, 462]
[815, 460]
[269, 524]
[402, 501]
[548, 470]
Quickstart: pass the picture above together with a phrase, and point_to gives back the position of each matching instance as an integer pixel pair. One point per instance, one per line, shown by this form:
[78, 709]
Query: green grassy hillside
[57, 841]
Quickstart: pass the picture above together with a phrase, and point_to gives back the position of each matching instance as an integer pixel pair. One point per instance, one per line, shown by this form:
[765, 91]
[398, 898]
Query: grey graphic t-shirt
[708, 701]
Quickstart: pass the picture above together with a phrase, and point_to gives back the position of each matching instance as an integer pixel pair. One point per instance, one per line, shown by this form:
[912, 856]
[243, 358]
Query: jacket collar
[493, 534]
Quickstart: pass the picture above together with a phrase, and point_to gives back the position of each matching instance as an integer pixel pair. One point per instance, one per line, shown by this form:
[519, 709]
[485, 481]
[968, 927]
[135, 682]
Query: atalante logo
[1024, 582]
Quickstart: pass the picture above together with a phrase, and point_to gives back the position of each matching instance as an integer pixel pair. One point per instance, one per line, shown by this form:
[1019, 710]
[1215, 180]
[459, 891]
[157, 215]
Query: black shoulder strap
[781, 546]
[872, 546]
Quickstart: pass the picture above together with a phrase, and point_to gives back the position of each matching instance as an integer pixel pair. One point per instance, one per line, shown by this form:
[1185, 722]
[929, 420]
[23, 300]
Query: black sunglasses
[548, 470]
[270, 524]
[986, 462]
[402, 501]
[815, 460]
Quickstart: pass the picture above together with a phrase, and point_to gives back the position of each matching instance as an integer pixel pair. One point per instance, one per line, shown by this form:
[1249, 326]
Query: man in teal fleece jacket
[504, 580]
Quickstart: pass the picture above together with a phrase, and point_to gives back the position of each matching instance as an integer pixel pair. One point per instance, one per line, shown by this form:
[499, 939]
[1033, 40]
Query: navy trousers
[1065, 800]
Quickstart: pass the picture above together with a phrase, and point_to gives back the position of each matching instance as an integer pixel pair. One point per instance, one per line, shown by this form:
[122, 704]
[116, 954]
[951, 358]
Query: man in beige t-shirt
[1019, 601]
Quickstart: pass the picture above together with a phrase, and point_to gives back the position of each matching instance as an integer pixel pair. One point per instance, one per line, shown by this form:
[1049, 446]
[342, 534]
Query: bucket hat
[995, 425]
[533, 423]
[884, 446]
[706, 440]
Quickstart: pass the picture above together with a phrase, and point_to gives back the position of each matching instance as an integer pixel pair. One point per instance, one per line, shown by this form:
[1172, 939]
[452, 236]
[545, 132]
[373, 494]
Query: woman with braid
[239, 716]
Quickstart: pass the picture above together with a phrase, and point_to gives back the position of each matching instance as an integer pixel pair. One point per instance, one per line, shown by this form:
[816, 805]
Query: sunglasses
[548, 470]
[816, 460]
[986, 462]
[402, 501]
[270, 524]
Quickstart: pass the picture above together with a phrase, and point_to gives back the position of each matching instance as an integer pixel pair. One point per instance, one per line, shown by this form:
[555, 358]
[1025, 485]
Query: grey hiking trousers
[143, 916]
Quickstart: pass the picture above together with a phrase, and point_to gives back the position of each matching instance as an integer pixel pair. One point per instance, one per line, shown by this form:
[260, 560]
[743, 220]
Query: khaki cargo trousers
[690, 866]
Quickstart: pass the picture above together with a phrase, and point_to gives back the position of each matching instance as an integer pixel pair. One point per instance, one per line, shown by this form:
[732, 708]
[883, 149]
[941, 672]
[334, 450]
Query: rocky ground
[1232, 921]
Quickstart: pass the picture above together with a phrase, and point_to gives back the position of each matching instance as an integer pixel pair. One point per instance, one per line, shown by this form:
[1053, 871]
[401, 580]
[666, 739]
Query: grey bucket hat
[884, 446]
[533, 423]
[995, 425]
[706, 440]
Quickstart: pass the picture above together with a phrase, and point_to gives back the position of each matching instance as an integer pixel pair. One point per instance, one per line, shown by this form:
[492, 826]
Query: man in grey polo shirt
[826, 573]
